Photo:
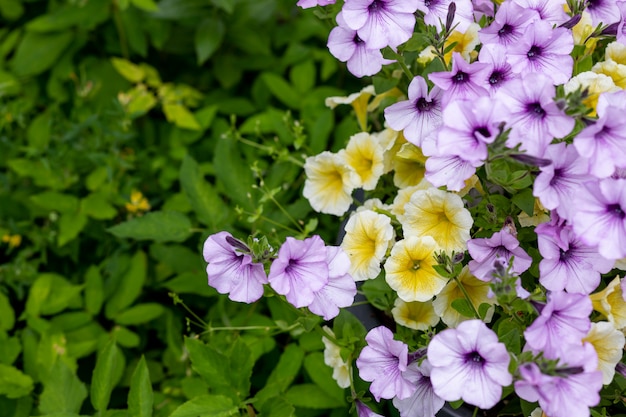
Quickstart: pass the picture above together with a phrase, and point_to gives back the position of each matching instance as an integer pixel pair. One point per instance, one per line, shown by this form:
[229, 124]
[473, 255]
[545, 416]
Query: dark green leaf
[464, 307]
[207, 406]
[140, 395]
[70, 225]
[282, 375]
[209, 36]
[129, 287]
[241, 363]
[47, 47]
[9, 85]
[7, 315]
[141, 313]
[161, 226]
[311, 396]
[94, 291]
[322, 375]
[282, 90]
[525, 200]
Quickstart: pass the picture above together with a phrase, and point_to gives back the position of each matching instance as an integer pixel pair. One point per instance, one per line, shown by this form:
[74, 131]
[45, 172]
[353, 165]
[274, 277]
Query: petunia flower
[415, 315]
[382, 363]
[501, 72]
[436, 13]
[611, 302]
[463, 81]
[603, 11]
[608, 343]
[501, 245]
[332, 358]
[439, 214]
[551, 11]
[409, 269]
[447, 170]
[408, 165]
[594, 84]
[364, 154]
[300, 270]
[424, 402]
[307, 4]
[368, 236]
[232, 272]
[363, 410]
[420, 115]
[509, 24]
[469, 363]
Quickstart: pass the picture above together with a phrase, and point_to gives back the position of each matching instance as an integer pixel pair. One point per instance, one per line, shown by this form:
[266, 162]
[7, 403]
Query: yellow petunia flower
[404, 196]
[594, 83]
[612, 69]
[609, 345]
[465, 43]
[615, 51]
[358, 101]
[138, 203]
[332, 358]
[409, 165]
[439, 214]
[329, 183]
[610, 302]
[581, 32]
[364, 154]
[477, 291]
[414, 315]
[368, 237]
[409, 269]
[390, 141]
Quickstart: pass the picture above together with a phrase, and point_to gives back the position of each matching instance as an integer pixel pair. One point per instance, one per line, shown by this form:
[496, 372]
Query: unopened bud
[450, 16]
[572, 22]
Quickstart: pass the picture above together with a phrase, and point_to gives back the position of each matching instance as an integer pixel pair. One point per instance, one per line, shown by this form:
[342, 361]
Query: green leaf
[10, 348]
[54, 201]
[209, 37]
[94, 290]
[180, 116]
[125, 337]
[282, 90]
[141, 313]
[51, 294]
[322, 375]
[140, 395]
[9, 85]
[132, 72]
[129, 286]
[206, 203]
[463, 306]
[161, 226]
[302, 76]
[147, 5]
[63, 391]
[347, 325]
[84, 14]
[47, 47]
[14, 383]
[311, 396]
[282, 375]
[525, 201]
[7, 315]
[97, 206]
[208, 362]
[278, 407]
[38, 132]
[233, 173]
[207, 406]
[241, 363]
[70, 225]
[105, 375]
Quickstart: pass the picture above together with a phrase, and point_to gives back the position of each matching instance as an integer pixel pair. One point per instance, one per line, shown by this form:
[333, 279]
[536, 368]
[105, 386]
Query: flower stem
[467, 297]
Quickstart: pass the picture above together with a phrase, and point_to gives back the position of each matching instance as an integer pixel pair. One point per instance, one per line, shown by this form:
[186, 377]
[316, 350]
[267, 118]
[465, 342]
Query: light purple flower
[232, 272]
[500, 74]
[533, 116]
[621, 30]
[545, 50]
[562, 323]
[503, 245]
[364, 411]
[603, 11]
[571, 392]
[448, 170]
[549, 10]
[469, 363]
[381, 23]
[424, 402]
[568, 263]
[420, 115]
[436, 12]
[382, 363]
[340, 289]
[306, 4]
[600, 217]
[463, 81]
[509, 24]
[300, 270]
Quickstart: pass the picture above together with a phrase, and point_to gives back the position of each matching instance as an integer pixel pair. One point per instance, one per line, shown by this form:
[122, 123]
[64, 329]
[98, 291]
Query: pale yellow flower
[540, 215]
[414, 315]
[373, 204]
[387, 139]
[471, 182]
[358, 101]
[12, 240]
[329, 183]
[404, 196]
[427, 55]
[620, 264]
[612, 69]
[365, 156]
[409, 166]
[615, 51]
[332, 358]
[138, 203]
[477, 291]
[465, 42]
[581, 32]
[610, 302]
[409, 269]
[368, 237]
[439, 214]
[609, 345]
[594, 83]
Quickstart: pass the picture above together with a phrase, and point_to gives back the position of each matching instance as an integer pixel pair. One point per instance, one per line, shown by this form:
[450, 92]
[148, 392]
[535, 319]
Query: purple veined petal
[307, 4]
[449, 170]
[509, 24]
[365, 62]
[341, 43]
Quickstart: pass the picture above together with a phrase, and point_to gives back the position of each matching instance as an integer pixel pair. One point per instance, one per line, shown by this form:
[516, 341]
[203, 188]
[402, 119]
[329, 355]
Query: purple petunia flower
[420, 115]
[501, 73]
[300, 270]
[603, 11]
[424, 402]
[382, 363]
[562, 323]
[436, 13]
[575, 387]
[550, 11]
[621, 29]
[340, 289]
[469, 363]
[509, 24]
[231, 271]
[464, 81]
[306, 4]
[503, 245]
[568, 263]
[364, 411]
[449, 170]
[534, 117]
[600, 218]
[381, 23]
[545, 50]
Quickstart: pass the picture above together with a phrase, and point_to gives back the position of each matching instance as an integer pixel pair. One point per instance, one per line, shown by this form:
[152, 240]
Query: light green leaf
[47, 47]
[85, 14]
[125, 337]
[180, 116]
[209, 36]
[147, 5]
[50, 294]
[139, 100]
[13, 382]
[104, 375]
[139, 314]
[54, 201]
[241, 363]
[7, 315]
[128, 70]
[302, 76]
[311, 396]
[161, 226]
[97, 206]
[463, 306]
[129, 286]
[9, 85]
[140, 395]
[63, 391]
[94, 290]
[322, 375]
[206, 203]
[282, 90]
[38, 132]
[207, 406]
[10, 348]
[70, 225]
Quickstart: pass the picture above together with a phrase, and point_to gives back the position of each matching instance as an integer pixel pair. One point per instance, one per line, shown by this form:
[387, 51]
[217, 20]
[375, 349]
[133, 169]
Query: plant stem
[467, 297]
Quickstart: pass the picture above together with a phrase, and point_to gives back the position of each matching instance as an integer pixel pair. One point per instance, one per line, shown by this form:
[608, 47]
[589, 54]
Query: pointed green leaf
[209, 36]
[129, 287]
[311, 396]
[104, 377]
[206, 203]
[140, 395]
[141, 313]
[161, 226]
[180, 116]
[282, 90]
[7, 315]
[207, 406]
[70, 225]
[47, 47]
[63, 391]
[282, 375]
[128, 70]
[94, 290]
[14, 383]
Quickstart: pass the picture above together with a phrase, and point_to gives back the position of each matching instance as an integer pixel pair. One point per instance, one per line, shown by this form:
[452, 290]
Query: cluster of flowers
[307, 272]
[500, 100]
